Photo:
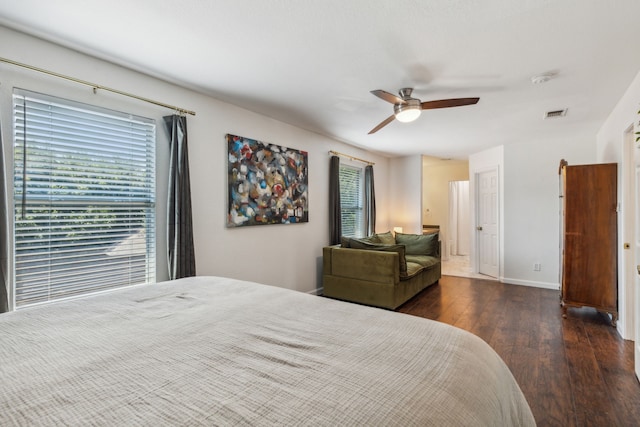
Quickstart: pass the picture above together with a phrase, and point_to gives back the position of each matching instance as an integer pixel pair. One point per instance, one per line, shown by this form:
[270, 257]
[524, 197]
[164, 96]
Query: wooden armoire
[589, 237]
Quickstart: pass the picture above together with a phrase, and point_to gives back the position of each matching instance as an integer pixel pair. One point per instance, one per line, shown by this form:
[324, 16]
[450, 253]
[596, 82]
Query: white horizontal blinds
[85, 204]
[351, 200]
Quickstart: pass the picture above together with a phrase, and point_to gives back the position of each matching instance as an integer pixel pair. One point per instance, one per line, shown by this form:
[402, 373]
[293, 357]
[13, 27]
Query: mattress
[219, 351]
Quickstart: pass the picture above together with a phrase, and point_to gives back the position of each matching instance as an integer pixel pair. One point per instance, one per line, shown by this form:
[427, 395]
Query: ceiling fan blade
[446, 103]
[389, 97]
[382, 124]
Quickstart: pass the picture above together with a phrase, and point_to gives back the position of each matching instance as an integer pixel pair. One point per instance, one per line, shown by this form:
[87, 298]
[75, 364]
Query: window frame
[151, 248]
[358, 208]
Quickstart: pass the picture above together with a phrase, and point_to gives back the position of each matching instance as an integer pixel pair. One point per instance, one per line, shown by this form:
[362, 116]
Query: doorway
[437, 174]
[457, 240]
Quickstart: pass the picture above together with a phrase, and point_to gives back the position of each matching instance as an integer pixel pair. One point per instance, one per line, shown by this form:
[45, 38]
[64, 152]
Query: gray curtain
[4, 232]
[181, 254]
[335, 214]
[369, 202]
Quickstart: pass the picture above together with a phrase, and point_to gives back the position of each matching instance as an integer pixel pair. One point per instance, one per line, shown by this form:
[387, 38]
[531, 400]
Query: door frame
[635, 284]
[629, 304]
[628, 258]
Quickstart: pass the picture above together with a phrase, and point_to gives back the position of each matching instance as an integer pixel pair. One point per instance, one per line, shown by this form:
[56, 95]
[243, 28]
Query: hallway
[460, 266]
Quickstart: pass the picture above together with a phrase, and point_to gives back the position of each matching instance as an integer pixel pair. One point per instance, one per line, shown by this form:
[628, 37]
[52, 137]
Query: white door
[487, 223]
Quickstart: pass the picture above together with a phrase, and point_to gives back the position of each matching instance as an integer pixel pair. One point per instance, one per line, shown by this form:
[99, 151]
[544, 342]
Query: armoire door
[590, 237]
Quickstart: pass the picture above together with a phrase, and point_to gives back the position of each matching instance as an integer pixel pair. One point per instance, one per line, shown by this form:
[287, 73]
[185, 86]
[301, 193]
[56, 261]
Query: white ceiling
[313, 63]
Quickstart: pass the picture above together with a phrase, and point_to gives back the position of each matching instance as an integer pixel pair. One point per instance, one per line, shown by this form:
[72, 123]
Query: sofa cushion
[425, 261]
[400, 249]
[413, 269]
[419, 244]
[386, 238]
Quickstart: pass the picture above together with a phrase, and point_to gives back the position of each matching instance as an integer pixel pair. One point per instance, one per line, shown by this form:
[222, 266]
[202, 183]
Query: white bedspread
[217, 351]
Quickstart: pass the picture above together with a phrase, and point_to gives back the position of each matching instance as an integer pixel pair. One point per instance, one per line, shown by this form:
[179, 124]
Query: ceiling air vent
[555, 113]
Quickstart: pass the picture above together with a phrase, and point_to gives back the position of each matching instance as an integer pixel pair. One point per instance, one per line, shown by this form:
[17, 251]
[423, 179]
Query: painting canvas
[268, 183]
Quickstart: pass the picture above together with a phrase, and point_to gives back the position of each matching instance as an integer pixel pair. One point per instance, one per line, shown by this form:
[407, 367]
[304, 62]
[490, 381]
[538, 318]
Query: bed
[219, 351]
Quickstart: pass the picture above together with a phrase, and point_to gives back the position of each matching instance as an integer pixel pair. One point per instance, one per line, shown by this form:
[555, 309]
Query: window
[84, 194]
[351, 201]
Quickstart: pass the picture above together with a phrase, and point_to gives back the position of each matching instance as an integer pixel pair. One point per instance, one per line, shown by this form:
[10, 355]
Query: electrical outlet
[537, 266]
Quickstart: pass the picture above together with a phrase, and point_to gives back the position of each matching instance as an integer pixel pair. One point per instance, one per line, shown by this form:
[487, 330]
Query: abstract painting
[267, 183]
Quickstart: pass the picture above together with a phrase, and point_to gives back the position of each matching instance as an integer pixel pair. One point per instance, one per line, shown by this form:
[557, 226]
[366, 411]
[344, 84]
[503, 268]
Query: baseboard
[530, 283]
[543, 285]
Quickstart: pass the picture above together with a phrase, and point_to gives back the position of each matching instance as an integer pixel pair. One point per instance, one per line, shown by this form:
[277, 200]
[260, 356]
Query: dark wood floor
[573, 372]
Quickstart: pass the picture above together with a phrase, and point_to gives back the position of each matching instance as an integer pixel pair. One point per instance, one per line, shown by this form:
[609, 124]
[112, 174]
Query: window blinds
[84, 194]
[351, 200]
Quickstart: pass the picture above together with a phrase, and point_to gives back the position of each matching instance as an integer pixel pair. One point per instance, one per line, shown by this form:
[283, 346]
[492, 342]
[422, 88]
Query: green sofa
[381, 270]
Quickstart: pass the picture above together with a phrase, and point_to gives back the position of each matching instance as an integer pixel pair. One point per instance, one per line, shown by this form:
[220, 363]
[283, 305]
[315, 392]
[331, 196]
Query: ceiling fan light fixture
[408, 111]
[408, 115]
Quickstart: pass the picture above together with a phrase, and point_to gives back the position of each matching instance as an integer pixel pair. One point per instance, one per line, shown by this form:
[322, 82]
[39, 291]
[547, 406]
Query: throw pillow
[346, 241]
[386, 238]
[419, 244]
[371, 239]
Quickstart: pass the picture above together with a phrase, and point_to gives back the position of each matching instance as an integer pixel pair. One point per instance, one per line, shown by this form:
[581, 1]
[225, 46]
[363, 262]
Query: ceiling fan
[407, 109]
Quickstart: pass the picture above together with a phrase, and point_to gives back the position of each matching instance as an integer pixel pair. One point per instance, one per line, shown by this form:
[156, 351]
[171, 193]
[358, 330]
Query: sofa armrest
[362, 264]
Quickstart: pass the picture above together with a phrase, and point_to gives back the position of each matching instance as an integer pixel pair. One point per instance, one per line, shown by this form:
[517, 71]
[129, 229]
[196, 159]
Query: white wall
[532, 207]
[611, 148]
[25, 49]
[405, 186]
[283, 255]
[530, 204]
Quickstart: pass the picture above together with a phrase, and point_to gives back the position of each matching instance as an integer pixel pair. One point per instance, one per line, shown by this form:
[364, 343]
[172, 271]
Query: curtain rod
[96, 86]
[351, 157]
